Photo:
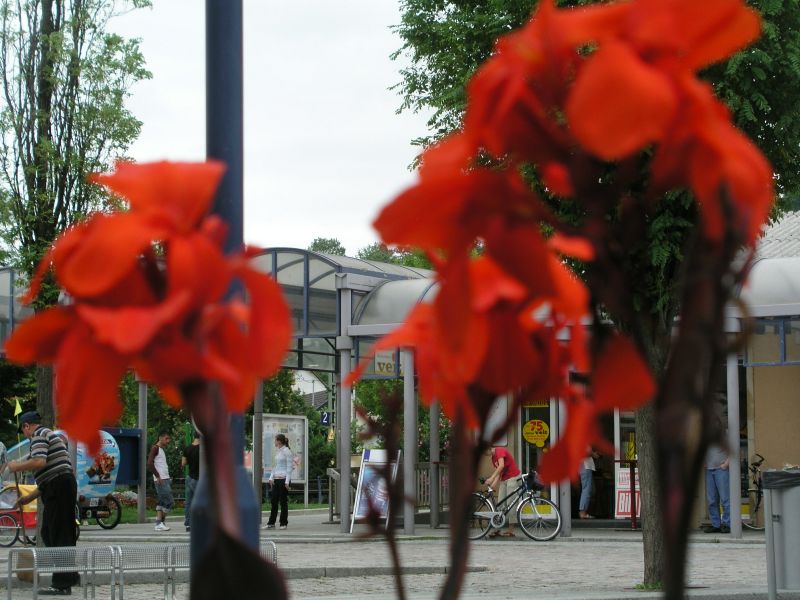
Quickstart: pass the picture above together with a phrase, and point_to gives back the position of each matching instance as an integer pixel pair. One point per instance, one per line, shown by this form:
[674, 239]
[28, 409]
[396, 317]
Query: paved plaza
[592, 564]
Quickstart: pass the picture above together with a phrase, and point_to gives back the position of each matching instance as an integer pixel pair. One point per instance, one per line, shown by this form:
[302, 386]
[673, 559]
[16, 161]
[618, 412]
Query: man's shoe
[711, 529]
[188, 528]
[269, 526]
[54, 591]
[281, 527]
[725, 529]
[161, 527]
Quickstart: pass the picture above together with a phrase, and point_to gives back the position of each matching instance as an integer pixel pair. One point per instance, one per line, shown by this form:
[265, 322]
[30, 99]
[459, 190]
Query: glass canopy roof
[308, 280]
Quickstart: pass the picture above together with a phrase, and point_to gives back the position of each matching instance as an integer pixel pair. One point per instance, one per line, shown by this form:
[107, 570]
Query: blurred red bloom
[147, 289]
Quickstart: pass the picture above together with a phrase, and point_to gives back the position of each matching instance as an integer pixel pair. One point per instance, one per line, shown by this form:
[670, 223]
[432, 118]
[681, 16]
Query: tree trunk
[44, 394]
[652, 516]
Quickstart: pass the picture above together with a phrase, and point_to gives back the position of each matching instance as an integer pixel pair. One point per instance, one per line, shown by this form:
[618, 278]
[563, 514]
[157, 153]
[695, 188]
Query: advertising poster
[295, 428]
[97, 475]
[372, 490]
[622, 504]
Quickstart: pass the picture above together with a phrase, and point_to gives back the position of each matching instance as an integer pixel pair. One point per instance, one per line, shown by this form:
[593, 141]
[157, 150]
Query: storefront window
[791, 328]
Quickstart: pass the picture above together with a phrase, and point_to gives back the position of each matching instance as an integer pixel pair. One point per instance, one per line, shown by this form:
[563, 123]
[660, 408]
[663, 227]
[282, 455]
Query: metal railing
[422, 486]
[29, 564]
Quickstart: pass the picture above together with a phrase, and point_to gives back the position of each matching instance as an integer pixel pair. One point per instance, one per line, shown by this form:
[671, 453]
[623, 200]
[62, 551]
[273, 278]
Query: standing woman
[279, 481]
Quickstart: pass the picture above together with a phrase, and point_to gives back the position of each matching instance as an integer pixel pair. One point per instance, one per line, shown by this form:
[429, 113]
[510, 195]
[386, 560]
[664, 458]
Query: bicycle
[538, 517]
[106, 511]
[755, 494]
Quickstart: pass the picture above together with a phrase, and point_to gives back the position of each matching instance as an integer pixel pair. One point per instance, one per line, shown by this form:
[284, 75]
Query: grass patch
[130, 514]
[649, 587]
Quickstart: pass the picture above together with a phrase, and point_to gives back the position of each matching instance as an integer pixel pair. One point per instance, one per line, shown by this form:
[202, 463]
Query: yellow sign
[331, 434]
[536, 432]
[536, 403]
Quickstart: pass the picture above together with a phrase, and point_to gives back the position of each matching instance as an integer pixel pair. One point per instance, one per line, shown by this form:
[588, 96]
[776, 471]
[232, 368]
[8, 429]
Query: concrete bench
[29, 564]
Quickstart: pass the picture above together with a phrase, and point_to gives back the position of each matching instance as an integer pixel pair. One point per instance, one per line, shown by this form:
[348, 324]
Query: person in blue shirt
[279, 481]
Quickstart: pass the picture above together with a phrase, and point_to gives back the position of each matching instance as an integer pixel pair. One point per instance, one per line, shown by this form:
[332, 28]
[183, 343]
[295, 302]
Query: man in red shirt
[504, 469]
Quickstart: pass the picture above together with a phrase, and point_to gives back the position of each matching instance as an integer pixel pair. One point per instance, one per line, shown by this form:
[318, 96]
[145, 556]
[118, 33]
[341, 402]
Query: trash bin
[782, 516]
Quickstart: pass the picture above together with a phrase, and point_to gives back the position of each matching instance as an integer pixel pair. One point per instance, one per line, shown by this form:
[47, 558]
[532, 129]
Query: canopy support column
[409, 443]
[435, 458]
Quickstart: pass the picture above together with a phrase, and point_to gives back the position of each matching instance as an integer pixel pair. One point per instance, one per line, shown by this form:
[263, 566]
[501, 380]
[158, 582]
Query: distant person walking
[279, 481]
[157, 465]
[718, 490]
[56, 486]
[191, 458]
[587, 475]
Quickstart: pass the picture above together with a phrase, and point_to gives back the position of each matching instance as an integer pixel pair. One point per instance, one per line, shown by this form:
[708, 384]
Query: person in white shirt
[279, 481]
[587, 473]
[157, 465]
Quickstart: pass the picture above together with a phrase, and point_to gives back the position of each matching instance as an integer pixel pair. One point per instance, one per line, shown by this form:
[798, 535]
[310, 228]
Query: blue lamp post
[224, 141]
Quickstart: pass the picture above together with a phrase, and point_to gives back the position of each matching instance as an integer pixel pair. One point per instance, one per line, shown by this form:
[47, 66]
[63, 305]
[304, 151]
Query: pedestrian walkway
[321, 562]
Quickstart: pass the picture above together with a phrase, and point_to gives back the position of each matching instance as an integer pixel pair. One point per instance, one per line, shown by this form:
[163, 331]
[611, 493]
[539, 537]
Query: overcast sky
[324, 149]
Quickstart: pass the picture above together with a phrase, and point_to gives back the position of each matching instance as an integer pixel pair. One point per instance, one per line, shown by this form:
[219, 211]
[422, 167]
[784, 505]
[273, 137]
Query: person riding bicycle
[505, 469]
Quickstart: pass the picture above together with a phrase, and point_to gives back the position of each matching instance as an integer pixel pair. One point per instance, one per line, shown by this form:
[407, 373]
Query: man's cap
[29, 417]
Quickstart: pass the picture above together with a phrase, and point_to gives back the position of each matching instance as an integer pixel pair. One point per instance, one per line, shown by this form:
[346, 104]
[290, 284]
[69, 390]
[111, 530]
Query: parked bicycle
[755, 494]
[105, 510]
[538, 517]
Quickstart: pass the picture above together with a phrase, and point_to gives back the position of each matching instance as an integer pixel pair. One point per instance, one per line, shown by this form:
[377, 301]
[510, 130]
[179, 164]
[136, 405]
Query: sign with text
[536, 432]
[622, 495]
[295, 428]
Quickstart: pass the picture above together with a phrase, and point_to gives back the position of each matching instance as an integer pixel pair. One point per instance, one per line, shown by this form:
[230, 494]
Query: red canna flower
[147, 289]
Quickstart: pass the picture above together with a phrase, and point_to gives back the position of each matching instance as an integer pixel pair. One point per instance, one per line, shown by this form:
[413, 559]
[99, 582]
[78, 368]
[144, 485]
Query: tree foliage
[445, 41]
[65, 80]
[62, 114]
[382, 253]
[327, 246]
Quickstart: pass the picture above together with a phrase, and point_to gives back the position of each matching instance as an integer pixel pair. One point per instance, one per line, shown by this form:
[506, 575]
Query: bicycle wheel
[480, 516]
[113, 512]
[9, 530]
[539, 518]
[755, 496]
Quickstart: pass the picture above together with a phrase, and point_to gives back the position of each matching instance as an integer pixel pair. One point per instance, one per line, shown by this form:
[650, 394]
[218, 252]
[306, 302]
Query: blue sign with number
[326, 417]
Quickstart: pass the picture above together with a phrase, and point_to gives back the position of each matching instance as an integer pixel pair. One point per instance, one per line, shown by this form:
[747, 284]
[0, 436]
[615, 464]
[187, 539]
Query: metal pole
[772, 577]
[409, 443]
[343, 417]
[224, 141]
[141, 514]
[735, 465]
[434, 468]
[258, 444]
[564, 488]
[632, 466]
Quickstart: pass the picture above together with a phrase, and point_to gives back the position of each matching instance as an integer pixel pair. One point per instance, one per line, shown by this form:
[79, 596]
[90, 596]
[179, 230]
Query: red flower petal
[129, 329]
[563, 461]
[270, 329]
[618, 103]
[621, 379]
[182, 192]
[109, 249]
[196, 265]
[576, 247]
[87, 370]
[39, 338]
